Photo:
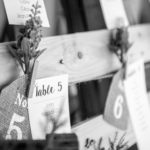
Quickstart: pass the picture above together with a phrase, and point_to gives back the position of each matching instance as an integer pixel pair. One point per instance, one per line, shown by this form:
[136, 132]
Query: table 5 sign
[21, 117]
[45, 91]
[50, 97]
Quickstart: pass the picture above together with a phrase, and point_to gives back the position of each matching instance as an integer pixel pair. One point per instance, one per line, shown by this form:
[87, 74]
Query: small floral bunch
[120, 145]
[113, 144]
[119, 43]
[25, 50]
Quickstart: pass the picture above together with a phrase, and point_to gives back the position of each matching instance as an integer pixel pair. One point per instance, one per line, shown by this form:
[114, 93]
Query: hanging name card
[18, 11]
[138, 104]
[114, 13]
[49, 103]
[116, 112]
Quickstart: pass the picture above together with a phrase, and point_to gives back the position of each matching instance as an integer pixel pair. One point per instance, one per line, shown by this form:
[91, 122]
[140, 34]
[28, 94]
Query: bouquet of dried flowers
[25, 50]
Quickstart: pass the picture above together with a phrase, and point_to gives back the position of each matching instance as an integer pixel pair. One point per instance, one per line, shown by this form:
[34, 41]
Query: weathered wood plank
[85, 56]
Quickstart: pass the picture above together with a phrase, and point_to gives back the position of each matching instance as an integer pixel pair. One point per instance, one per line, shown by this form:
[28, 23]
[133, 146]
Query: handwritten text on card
[138, 104]
[18, 11]
[114, 13]
[49, 102]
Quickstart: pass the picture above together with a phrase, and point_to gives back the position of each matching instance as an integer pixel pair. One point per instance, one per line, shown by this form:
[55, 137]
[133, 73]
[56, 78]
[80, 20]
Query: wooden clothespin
[32, 79]
[119, 44]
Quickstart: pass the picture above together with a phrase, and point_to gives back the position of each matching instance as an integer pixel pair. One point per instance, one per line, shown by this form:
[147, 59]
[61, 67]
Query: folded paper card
[49, 107]
[18, 11]
[114, 13]
[138, 104]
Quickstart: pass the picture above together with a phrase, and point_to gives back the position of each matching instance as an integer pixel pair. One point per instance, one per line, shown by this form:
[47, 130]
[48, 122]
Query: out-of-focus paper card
[114, 13]
[49, 103]
[90, 132]
[138, 104]
[18, 11]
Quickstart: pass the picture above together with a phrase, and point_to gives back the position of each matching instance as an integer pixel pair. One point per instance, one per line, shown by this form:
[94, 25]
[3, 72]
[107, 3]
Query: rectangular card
[18, 11]
[49, 103]
[114, 13]
[138, 104]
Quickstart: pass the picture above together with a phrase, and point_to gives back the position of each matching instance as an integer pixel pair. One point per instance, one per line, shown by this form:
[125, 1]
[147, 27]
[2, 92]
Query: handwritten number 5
[59, 86]
[12, 126]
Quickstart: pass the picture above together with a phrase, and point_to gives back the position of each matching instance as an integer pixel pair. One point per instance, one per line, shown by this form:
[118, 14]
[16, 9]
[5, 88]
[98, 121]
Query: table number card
[138, 104]
[116, 112]
[50, 96]
[18, 11]
[114, 13]
[14, 122]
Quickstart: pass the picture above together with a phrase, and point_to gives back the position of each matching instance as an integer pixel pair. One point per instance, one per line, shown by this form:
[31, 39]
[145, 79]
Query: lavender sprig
[25, 50]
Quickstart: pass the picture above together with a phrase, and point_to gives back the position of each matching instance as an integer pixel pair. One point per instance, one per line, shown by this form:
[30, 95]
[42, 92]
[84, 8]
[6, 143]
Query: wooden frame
[84, 56]
[96, 60]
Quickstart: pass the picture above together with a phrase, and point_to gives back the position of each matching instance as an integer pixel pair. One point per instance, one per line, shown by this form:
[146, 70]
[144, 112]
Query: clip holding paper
[119, 44]
[33, 77]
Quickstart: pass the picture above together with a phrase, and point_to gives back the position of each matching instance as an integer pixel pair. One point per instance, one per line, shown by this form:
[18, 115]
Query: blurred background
[70, 16]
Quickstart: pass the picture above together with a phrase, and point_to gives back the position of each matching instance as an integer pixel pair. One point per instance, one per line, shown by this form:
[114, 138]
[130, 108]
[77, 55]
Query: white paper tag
[114, 13]
[138, 105]
[50, 100]
[18, 11]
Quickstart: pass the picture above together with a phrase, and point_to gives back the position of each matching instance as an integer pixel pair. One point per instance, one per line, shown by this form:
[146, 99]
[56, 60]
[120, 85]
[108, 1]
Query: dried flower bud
[25, 45]
[33, 34]
[28, 40]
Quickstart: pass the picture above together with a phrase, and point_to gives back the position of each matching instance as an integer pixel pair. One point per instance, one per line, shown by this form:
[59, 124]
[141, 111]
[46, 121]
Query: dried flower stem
[119, 43]
[25, 51]
[113, 144]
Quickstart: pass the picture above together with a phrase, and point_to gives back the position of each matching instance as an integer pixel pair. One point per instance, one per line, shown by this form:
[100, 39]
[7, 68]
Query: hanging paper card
[14, 120]
[49, 103]
[138, 104]
[114, 13]
[18, 11]
[116, 112]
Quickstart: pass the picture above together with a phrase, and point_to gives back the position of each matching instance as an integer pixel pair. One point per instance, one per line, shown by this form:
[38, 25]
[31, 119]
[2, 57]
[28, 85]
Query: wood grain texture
[84, 56]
